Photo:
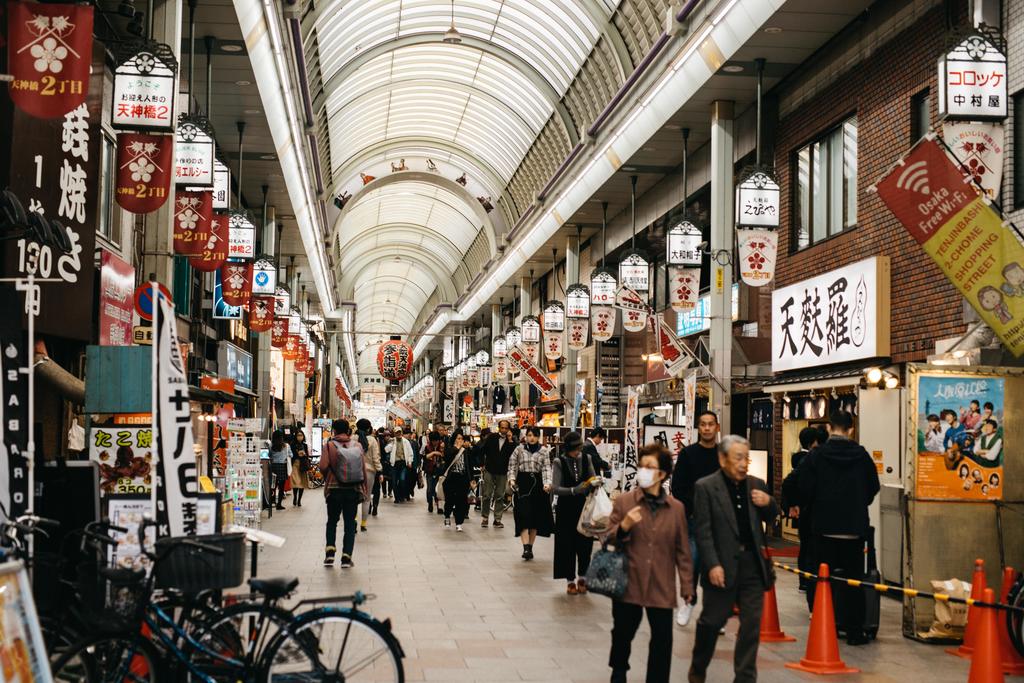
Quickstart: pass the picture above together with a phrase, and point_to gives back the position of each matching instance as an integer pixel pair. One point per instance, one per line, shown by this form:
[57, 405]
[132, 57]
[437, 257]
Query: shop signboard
[683, 244]
[194, 152]
[554, 317]
[117, 284]
[973, 79]
[143, 171]
[55, 170]
[960, 437]
[631, 448]
[531, 329]
[602, 287]
[235, 364]
[757, 200]
[672, 437]
[449, 411]
[241, 236]
[978, 147]
[521, 360]
[13, 415]
[144, 92]
[635, 271]
[25, 654]
[264, 277]
[577, 301]
[963, 234]
[840, 316]
[125, 458]
[699, 318]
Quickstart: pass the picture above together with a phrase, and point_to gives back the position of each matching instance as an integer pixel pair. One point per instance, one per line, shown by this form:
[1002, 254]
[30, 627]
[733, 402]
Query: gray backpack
[346, 462]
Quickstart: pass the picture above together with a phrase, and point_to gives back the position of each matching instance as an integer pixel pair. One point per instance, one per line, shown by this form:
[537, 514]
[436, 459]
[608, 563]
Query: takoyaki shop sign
[125, 457]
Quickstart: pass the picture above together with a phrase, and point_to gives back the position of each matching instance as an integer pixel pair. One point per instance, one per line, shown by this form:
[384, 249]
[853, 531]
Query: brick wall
[925, 306]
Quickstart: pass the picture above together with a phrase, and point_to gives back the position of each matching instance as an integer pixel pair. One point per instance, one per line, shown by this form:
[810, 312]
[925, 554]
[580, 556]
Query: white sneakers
[458, 527]
[684, 613]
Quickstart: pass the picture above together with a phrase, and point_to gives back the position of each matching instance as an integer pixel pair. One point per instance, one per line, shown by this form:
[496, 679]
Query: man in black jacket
[800, 510]
[839, 480]
[595, 438]
[497, 450]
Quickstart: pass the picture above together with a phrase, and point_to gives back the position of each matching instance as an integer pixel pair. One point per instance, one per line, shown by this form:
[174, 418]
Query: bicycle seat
[274, 588]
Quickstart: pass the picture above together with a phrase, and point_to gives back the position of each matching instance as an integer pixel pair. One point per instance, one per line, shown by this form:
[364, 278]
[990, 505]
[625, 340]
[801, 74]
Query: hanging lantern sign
[485, 376]
[193, 152]
[215, 250]
[577, 301]
[193, 217]
[635, 271]
[634, 321]
[500, 369]
[554, 317]
[634, 307]
[532, 350]
[236, 279]
[282, 301]
[757, 199]
[291, 347]
[143, 171]
[261, 313]
[682, 244]
[602, 287]
[500, 347]
[49, 54]
[221, 186]
[576, 334]
[757, 252]
[473, 377]
[531, 329]
[683, 288]
[482, 357]
[241, 235]
[602, 322]
[428, 389]
[264, 276]
[294, 323]
[279, 332]
[973, 78]
[513, 336]
[394, 360]
[144, 86]
[553, 345]
[300, 360]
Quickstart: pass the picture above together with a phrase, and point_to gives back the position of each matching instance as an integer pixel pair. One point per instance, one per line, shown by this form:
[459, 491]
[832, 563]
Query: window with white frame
[825, 192]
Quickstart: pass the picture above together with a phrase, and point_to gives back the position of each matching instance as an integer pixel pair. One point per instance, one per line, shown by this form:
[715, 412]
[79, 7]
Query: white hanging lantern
[500, 348]
[554, 317]
[531, 329]
[553, 344]
[602, 287]
[602, 322]
[635, 271]
[577, 301]
[682, 244]
[757, 199]
[513, 336]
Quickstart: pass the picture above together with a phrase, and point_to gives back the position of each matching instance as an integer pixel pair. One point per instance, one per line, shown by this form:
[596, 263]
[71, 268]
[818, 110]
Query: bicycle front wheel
[336, 645]
[111, 659]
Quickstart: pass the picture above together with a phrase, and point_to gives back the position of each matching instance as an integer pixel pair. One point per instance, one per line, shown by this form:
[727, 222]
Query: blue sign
[699, 319]
[262, 278]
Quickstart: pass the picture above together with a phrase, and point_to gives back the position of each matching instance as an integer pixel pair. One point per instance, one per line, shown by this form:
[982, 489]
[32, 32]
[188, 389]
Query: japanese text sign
[241, 236]
[144, 91]
[602, 288]
[635, 271]
[972, 80]
[577, 301]
[117, 284]
[840, 316]
[193, 153]
[521, 360]
[215, 250]
[757, 201]
[143, 171]
[125, 458]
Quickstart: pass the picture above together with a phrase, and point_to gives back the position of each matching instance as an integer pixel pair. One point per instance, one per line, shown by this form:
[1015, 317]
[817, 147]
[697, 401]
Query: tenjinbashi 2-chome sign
[143, 92]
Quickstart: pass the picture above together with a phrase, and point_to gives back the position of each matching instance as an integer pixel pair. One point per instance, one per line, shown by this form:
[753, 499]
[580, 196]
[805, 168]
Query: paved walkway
[466, 607]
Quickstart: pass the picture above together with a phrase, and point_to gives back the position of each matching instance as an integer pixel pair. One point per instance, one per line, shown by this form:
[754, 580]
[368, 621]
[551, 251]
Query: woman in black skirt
[455, 468]
[572, 479]
[529, 476]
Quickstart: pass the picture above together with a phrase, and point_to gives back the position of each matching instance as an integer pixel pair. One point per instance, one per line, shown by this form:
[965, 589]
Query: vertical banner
[553, 345]
[630, 451]
[602, 322]
[236, 282]
[13, 415]
[673, 355]
[689, 403]
[581, 387]
[261, 314]
[279, 332]
[683, 288]
[212, 253]
[177, 489]
[758, 249]
[117, 283]
[144, 167]
[449, 411]
[193, 217]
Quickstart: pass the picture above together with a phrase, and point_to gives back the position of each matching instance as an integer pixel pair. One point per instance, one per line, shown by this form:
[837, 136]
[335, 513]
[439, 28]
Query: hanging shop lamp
[143, 88]
[394, 360]
[193, 152]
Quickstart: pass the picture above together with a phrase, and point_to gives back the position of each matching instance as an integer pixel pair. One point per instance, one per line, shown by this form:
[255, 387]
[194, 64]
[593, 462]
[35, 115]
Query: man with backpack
[341, 463]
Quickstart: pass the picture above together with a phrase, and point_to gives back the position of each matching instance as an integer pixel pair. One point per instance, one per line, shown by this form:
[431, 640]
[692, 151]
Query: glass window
[920, 121]
[108, 156]
[825, 192]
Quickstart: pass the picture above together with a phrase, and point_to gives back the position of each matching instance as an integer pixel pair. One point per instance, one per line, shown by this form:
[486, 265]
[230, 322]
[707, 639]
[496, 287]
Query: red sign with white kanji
[49, 52]
[236, 283]
[144, 165]
[521, 360]
[261, 314]
[279, 333]
[214, 251]
[193, 216]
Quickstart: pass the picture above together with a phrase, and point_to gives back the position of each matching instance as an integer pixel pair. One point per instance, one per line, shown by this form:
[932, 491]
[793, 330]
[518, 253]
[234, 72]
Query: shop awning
[207, 396]
[814, 379]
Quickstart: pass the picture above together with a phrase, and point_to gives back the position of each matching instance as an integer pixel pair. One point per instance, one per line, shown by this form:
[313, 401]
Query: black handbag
[608, 573]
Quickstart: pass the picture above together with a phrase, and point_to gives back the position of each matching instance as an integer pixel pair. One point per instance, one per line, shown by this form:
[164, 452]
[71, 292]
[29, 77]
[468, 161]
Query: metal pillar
[722, 236]
[264, 379]
[572, 276]
[334, 405]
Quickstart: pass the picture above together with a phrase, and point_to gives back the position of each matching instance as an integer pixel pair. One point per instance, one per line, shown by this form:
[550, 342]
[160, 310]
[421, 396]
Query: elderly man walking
[731, 509]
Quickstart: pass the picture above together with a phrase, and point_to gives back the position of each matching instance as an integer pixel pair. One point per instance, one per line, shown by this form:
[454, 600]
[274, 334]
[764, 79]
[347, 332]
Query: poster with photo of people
[960, 437]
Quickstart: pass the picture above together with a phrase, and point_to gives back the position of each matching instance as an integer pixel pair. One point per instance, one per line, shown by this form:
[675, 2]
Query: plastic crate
[191, 570]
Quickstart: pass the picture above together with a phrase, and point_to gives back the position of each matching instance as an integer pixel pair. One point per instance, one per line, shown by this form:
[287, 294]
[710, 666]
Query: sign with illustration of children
[960, 438]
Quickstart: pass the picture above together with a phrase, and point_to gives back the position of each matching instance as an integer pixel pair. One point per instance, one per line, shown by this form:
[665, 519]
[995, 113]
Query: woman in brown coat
[650, 527]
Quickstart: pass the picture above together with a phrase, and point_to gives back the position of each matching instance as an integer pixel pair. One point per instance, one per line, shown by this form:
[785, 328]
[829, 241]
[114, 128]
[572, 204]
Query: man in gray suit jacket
[730, 510]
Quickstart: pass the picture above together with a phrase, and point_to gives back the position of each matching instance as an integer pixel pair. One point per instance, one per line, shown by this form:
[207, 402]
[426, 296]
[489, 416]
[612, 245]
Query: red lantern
[394, 359]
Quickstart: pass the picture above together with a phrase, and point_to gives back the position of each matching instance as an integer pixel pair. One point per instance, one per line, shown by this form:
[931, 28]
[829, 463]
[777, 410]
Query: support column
[495, 333]
[334, 405]
[572, 276]
[722, 236]
[158, 246]
[264, 380]
[525, 309]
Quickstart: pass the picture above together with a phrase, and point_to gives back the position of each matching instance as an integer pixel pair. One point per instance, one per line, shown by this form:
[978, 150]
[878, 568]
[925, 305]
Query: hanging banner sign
[576, 334]
[554, 317]
[553, 345]
[602, 288]
[261, 313]
[264, 277]
[634, 321]
[215, 251]
[630, 451]
[449, 411]
[757, 252]
[577, 301]
[177, 484]
[282, 302]
[193, 152]
[757, 200]
[602, 323]
[241, 236]
[500, 369]
[500, 348]
[963, 234]
[628, 299]
[13, 416]
[673, 354]
[473, 378]
[236, 279]
[635, 271]
[485, 376]
[144, 86]
[117, 285]
[290, 351]
[979, 149]
[519, 358]
[683, 288]
[125, 458]
[49, 53]
[300, 360]
[682, 245]
[973, 79]
[279, 332]
[532, 350]
[689, 403]
[143, 171]
[193, 218]
[530, 329]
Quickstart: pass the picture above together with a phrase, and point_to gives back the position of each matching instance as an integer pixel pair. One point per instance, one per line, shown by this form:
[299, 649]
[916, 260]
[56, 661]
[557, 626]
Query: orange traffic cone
[985, 664]
[822, 655]
[771, 630]
[1013, 663]
[977, 590]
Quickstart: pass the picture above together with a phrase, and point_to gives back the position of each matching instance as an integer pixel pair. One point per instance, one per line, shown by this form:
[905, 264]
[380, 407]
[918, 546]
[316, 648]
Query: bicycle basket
[191, 570]
[111, 597]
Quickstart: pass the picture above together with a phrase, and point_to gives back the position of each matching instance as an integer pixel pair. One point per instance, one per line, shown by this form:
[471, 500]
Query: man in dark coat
[595, 438]
[839, 480]
[800, 510]
[496, 450]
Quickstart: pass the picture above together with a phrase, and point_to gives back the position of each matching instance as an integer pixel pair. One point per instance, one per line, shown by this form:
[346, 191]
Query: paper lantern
[394, 360]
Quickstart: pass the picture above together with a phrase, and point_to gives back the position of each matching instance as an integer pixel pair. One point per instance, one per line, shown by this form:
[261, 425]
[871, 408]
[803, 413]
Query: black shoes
[329, 556]
[346, 561]
[528, 551]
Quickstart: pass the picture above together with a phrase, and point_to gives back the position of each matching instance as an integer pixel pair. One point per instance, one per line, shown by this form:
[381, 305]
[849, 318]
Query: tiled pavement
[466, 607]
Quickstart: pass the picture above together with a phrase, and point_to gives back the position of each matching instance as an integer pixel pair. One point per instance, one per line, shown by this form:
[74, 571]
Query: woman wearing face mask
[455, 470]
[572, 478]
[529, 477]
[649, 526]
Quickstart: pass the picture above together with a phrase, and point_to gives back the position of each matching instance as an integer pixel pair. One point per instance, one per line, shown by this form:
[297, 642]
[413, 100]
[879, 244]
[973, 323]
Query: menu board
[21, 640]
[244, 479]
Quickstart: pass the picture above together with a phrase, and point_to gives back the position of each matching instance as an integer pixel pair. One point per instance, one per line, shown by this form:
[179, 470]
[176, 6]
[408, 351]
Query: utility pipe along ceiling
[392, 82]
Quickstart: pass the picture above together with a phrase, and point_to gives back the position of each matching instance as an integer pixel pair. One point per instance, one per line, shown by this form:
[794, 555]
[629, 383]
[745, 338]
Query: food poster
[125, 457]
[960, 443]
[22, 653]
[128, 511]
